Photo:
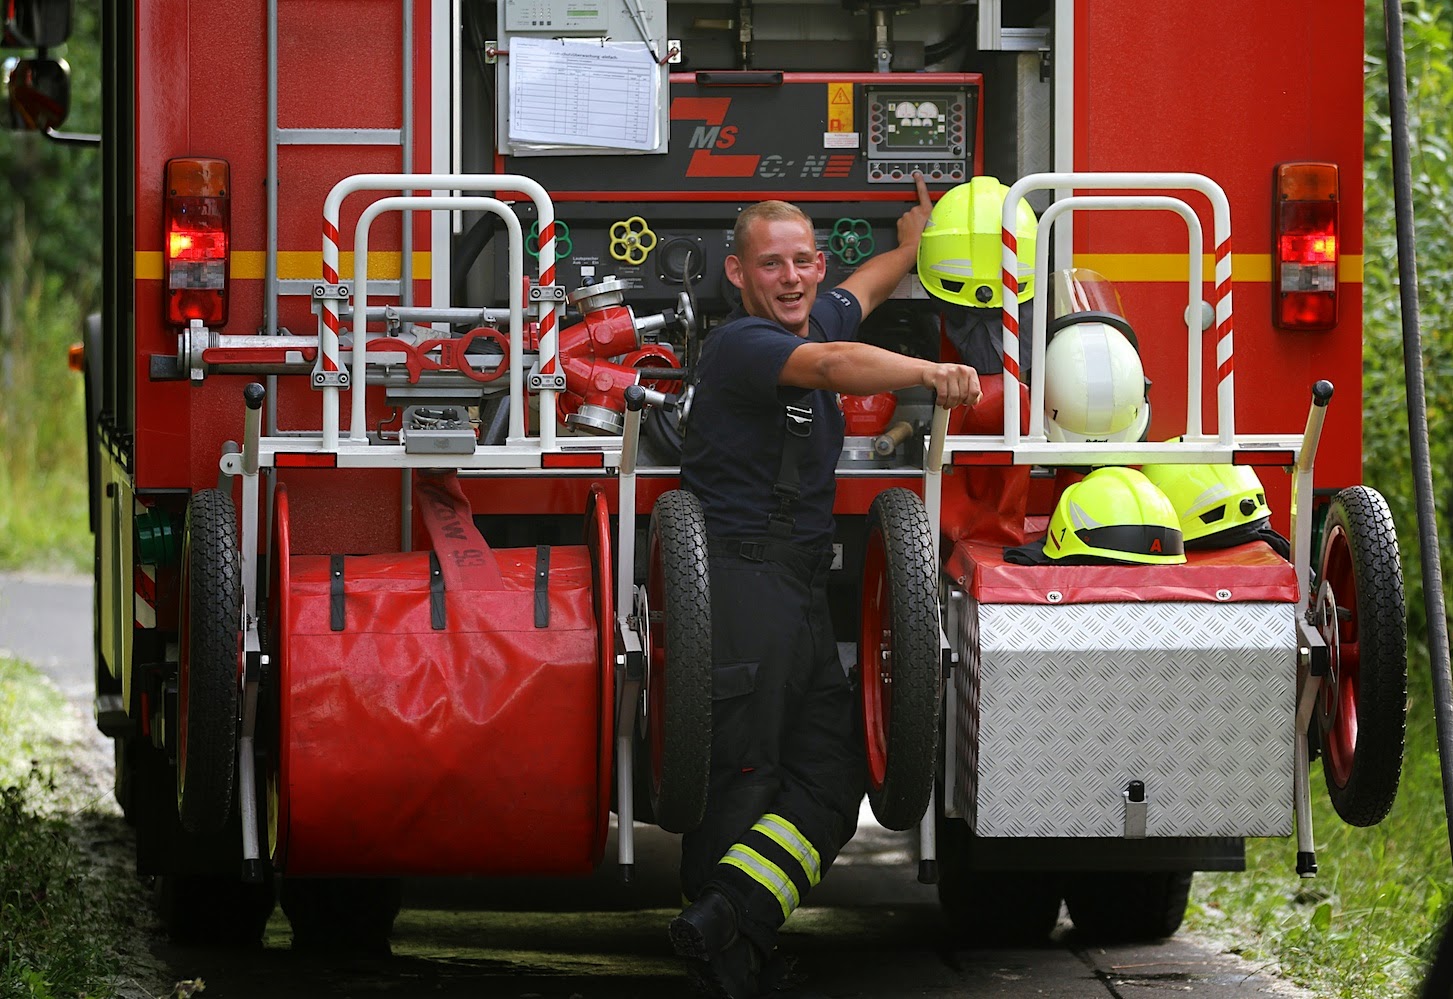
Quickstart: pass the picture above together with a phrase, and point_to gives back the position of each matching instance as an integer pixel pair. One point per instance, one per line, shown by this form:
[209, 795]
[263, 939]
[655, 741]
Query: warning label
[840, 107]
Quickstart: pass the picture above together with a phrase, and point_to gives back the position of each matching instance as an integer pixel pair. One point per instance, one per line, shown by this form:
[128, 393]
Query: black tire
[676, 747]
[898, 657]
[342, 915]
[1360, 611]
[663, 435]
[1116, 907]
[992, 908]
[212, 911]
[207, 697]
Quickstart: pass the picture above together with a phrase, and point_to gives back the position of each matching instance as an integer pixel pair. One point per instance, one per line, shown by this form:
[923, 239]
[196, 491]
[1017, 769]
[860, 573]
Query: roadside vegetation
[50, 266]
[1362, 928]
[68, 908]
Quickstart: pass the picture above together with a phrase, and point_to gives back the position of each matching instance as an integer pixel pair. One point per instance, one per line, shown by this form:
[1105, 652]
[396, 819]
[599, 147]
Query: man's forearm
[862, 369]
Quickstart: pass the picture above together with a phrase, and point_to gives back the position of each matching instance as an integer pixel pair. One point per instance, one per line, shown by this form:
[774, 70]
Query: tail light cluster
[198, 227]
[1305, 202]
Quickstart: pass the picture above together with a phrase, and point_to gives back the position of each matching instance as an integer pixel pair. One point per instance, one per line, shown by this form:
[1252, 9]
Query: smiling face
[778, 268]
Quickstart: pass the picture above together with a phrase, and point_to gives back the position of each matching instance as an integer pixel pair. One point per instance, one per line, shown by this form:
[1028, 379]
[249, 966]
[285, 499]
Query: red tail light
[198, 221]
[1305, 266]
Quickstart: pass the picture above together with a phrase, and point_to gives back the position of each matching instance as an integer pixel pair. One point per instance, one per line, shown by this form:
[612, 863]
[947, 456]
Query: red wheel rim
[598, 534]
[875, 659]
[280, 589]
[1339, 627]
[656, 664]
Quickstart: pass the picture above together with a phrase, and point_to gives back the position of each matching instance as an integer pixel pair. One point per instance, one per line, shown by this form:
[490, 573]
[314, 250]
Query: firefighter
[761, 456]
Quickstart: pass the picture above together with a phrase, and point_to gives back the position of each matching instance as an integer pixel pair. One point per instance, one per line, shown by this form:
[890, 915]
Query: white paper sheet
[586, 92]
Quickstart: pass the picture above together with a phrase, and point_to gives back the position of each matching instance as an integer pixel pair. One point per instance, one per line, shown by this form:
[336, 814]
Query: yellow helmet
[960, 255]
[1114, 514]
[1218, 505]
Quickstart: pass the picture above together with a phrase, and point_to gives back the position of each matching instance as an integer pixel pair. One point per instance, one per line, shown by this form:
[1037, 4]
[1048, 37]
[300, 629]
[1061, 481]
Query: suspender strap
[438, 619]
[786, 488]
[542, 586]
[335, 592]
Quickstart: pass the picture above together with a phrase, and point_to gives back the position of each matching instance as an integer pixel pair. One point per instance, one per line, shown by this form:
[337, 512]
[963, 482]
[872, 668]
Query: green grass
[66, 914]
[1365, 926]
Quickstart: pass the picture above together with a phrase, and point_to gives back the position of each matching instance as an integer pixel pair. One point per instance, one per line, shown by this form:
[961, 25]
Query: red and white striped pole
[328, 375]
[1225, 368]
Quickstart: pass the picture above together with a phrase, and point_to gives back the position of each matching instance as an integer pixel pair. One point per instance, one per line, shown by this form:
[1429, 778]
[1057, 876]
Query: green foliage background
[50, 270]
[1363, 928]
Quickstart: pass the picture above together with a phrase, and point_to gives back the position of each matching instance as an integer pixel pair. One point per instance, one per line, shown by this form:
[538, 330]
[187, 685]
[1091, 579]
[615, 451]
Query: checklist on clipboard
[585, 92]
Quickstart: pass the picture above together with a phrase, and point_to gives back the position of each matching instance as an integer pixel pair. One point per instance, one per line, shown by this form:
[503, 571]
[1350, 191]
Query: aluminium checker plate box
[1060, 707]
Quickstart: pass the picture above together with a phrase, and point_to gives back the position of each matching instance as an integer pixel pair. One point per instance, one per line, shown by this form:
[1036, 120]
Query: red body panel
[201, 90]
[1230, 91]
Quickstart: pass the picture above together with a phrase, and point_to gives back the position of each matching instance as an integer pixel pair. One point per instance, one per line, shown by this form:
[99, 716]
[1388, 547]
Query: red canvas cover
[473, 749]
[1250, 572]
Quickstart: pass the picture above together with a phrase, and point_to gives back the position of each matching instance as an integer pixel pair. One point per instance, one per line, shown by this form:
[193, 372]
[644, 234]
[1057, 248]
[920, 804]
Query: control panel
[584, 16]
[797, 136]
[923, 129]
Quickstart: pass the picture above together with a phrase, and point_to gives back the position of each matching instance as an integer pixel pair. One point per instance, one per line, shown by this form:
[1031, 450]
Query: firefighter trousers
[786, 758]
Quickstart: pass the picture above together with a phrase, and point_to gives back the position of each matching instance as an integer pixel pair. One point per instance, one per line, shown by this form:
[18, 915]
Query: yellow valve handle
[631, 240]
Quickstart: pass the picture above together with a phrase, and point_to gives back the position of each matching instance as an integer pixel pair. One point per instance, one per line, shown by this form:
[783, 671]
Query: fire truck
[402, 301]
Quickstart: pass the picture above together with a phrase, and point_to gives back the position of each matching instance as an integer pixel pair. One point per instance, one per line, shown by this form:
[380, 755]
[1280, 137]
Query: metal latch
[1135, 806]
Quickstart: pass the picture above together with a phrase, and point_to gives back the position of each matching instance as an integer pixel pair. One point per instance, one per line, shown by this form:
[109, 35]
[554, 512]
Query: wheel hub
[1326, 619]
[641, 618]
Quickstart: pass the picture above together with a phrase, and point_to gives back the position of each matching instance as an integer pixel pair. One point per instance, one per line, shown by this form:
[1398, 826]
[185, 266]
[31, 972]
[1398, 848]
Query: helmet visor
[1079, 289]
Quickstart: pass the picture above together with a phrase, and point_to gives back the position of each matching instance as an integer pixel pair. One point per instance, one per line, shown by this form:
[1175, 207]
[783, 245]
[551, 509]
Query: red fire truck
[401, 305]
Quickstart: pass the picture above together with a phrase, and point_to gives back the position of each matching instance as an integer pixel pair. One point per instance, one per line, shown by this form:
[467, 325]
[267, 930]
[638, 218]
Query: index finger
[923, 198]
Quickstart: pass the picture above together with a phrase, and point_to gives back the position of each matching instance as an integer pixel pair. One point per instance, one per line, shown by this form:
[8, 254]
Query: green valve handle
[851, 240]
[563, 246]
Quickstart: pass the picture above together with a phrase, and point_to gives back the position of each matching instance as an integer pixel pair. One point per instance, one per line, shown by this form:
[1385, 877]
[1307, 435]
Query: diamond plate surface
[1061, 706]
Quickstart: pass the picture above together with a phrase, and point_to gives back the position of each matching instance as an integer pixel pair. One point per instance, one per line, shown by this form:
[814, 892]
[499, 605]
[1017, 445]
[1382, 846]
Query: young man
[786, 771]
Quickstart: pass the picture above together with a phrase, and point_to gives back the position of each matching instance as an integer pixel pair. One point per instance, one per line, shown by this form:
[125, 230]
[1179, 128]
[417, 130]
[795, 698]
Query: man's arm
[861, 369]
[872, 283]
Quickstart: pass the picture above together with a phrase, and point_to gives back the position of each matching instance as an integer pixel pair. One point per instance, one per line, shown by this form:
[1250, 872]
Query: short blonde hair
[765, 211]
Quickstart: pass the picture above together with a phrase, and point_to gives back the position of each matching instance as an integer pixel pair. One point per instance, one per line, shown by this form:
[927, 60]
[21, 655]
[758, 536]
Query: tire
[677, 730]
[662, 432]
[1359, 609]
[1127, 906]
[210, 644]
[898, 656]
[208, 911]
[342, 915]
[992, 908]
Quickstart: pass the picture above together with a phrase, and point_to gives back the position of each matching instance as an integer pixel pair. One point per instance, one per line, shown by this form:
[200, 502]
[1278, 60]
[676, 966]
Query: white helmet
[1094, 385]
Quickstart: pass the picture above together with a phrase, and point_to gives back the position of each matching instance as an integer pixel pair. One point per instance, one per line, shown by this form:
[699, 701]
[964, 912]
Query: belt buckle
[752, 551]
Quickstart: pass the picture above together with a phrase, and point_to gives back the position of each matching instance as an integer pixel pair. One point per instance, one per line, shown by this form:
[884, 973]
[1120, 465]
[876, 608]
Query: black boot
[723, 963]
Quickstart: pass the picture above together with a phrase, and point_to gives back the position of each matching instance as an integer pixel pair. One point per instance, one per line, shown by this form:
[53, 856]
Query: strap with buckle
[752, 551]
[780, 524]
